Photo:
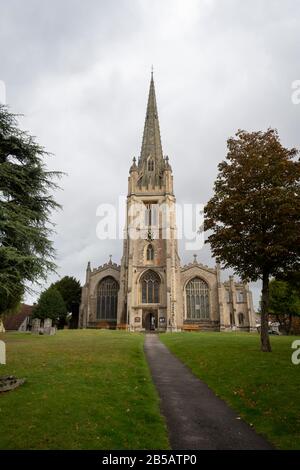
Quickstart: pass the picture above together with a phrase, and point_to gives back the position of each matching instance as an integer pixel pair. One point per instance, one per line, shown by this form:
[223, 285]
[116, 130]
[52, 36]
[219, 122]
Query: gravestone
[43, 327]
[47, 323]
[36, 324]
[2, 353]
[8, 382]
[2, 329]
[48, 328]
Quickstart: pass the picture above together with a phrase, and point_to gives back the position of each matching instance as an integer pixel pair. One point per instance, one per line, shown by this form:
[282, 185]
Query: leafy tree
[10, 303]
[70, 290]
[284, 302]
[51, 305]
[293, 278]
[254, 214]
[26, 252]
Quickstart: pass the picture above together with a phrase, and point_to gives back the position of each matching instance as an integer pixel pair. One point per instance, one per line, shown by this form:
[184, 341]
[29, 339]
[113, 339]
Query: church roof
[14, 321]
[151, 144]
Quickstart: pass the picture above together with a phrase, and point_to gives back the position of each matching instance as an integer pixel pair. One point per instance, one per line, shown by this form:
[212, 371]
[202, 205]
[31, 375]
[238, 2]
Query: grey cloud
[80, 71]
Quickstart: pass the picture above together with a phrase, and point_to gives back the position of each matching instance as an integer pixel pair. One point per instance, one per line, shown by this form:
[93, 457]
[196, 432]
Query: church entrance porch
[150, 320]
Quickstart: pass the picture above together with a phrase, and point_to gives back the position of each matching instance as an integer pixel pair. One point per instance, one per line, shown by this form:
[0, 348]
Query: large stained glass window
[150, 283]
[197, 300]
[107, 299]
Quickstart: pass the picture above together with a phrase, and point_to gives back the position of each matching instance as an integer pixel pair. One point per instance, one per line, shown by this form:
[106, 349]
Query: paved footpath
[195, 416]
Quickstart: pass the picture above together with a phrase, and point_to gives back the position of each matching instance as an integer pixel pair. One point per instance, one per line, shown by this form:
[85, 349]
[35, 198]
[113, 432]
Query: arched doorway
[150, 321]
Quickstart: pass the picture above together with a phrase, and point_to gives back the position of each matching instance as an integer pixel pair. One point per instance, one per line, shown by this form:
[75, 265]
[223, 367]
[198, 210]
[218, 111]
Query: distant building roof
[14, 321]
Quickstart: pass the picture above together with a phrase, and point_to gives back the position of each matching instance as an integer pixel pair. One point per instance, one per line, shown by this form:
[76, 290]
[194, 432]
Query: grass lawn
[85, 389]
[263, 387]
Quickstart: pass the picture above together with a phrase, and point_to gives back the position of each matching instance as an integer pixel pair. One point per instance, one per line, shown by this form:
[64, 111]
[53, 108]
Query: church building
[150, 290]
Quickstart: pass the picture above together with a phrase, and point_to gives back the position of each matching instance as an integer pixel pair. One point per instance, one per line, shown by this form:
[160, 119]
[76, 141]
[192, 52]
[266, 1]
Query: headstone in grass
[36, 323]
[2, 353]
[8, 382]
[48, 328]
[43, 327]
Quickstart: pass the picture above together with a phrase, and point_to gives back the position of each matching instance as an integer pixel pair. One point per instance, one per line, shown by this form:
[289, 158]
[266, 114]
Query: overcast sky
[79, 71]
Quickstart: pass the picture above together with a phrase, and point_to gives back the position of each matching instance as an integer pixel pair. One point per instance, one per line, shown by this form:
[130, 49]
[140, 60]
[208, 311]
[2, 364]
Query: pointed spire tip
[151, 143]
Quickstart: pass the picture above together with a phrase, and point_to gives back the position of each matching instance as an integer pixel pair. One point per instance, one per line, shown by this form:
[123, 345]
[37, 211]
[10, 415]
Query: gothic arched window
[107, 299]
[197, 300]
[240, 296]
[150, 253]
[241, 319]
[150, 283]
[150, 165]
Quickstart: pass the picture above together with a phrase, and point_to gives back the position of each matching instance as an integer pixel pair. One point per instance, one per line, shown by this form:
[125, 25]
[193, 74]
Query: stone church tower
[150, 290]
[151, 294]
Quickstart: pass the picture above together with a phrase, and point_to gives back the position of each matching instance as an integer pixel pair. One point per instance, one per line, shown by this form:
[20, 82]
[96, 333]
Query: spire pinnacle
[151, 144]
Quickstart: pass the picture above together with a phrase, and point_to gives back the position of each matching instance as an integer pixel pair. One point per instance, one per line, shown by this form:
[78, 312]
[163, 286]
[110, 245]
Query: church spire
[151, 144]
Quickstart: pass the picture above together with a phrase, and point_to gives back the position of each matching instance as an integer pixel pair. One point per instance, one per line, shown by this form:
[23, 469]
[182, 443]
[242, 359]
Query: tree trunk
[282, 325]
[264, 330]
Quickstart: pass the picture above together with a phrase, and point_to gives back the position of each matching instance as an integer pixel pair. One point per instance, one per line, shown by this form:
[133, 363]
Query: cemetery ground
[92, 389]
[85, 389]
[262, 387]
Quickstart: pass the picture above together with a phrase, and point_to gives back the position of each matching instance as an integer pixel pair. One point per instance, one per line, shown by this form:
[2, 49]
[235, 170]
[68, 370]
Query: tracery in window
[197, 300]
[107, 299]
[150, 283]
[150, 253]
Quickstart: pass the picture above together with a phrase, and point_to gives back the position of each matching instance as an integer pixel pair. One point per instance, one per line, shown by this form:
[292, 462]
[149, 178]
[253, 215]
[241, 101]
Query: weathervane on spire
[152, 70]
